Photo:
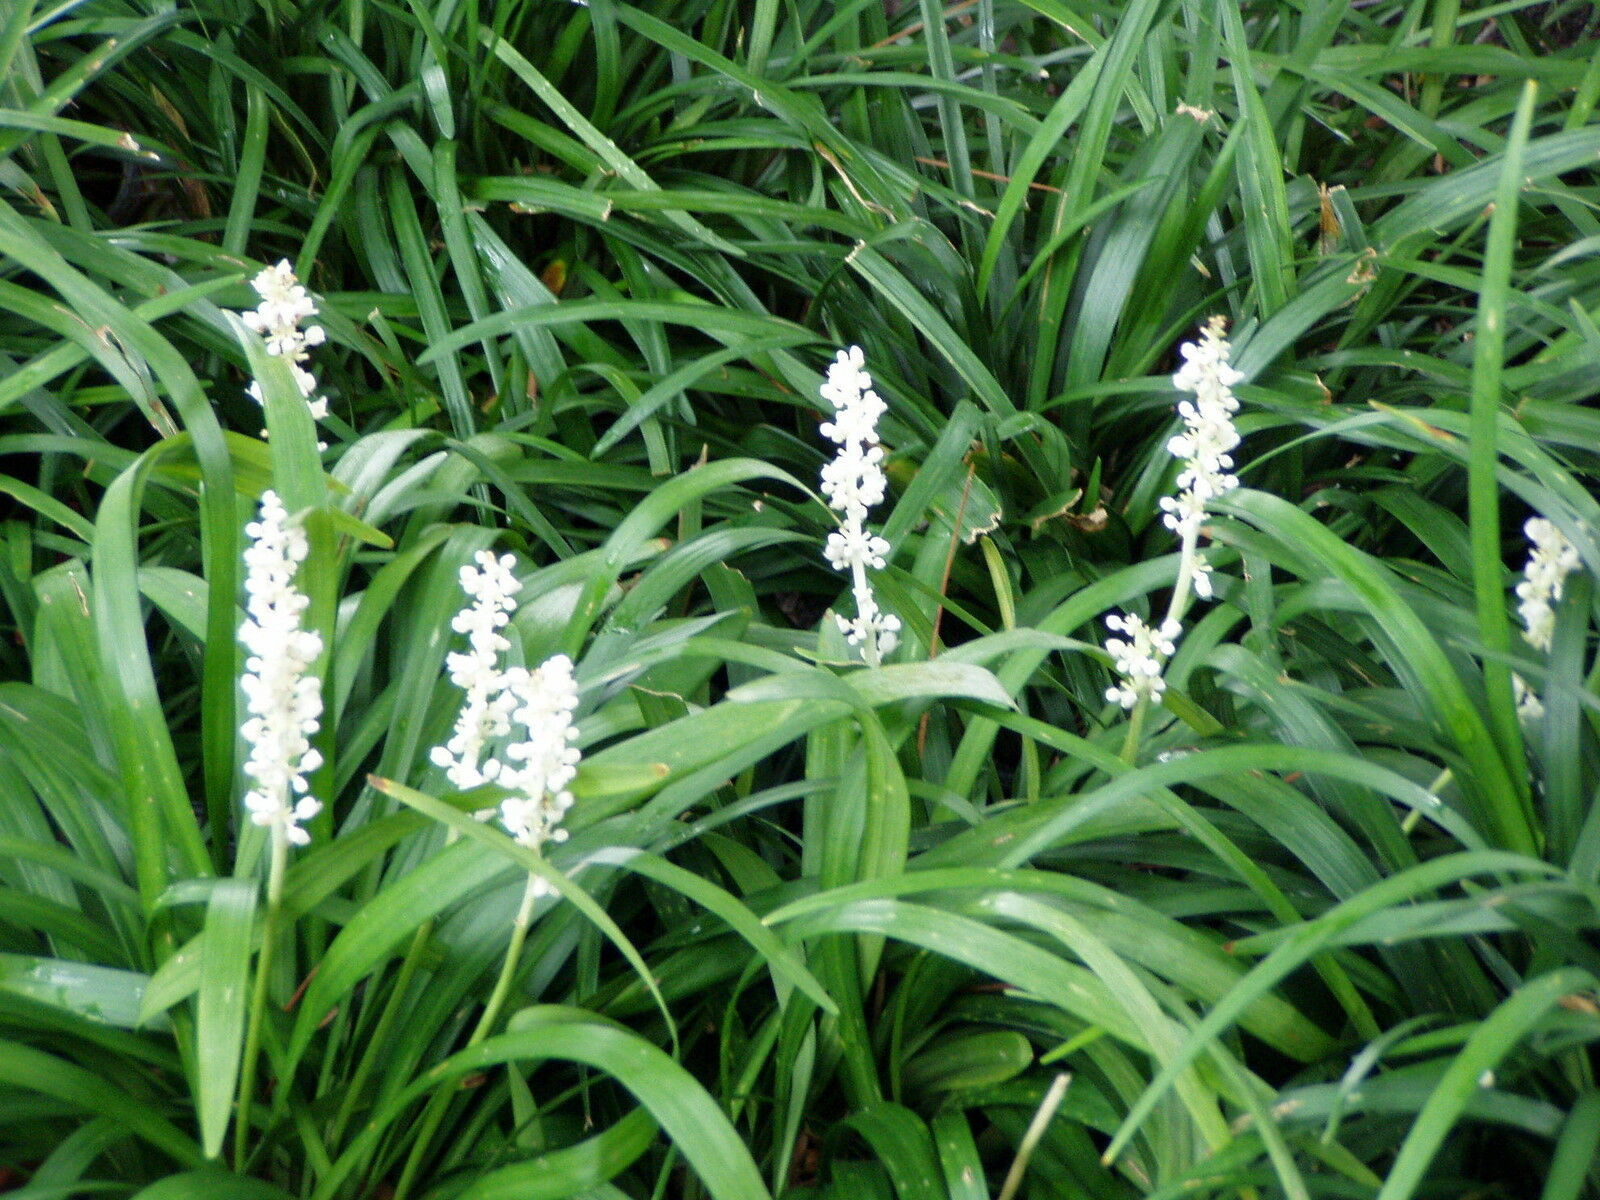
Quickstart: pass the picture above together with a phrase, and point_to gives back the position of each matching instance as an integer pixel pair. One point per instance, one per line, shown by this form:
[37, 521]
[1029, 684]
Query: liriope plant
[1326, 854]
[970, 900]
[280, 1006]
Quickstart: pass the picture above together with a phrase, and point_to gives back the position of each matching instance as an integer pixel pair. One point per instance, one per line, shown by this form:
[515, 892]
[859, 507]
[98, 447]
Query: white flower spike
[854, 482]
[1550, 561]
[1205, 448]
[540, 767]
[284, 702]
[1208, 438]
[285, 306]
[486, 709]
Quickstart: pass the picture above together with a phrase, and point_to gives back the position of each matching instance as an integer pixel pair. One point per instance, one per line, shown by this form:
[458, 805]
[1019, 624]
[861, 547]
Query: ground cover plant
[840, 600]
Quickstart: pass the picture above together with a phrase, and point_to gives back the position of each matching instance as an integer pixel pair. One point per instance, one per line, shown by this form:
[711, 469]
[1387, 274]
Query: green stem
[377, 1044]
[258, 998]
[508, 968]
[491, 1012]
[1179, 603]
[1130, 743]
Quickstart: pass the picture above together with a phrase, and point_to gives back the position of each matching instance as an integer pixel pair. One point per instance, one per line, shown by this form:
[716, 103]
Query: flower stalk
[1205, 449]
[284, 701]
[440, 1101]
[854, 483]
[283, 698]
[1551, 559]
[537, 770]
[486, 705]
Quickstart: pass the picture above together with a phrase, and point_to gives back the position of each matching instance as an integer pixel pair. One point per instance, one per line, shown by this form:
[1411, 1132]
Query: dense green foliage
[1323, 925]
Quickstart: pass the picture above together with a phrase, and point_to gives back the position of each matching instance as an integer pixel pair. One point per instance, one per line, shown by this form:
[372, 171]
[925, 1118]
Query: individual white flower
[1141, 659]
[285, 306]
[284, 701]
[486, 708]
[540, 767]
[853, 483]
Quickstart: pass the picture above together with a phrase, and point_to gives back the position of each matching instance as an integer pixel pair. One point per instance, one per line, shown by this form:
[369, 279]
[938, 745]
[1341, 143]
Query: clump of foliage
[1314, 916]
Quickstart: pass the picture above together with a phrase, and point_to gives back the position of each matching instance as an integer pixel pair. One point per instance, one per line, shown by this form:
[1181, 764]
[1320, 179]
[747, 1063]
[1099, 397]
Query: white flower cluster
[285, 703]
[1206, 448]
[1140, 660]
[854, 482]
[1529, 706]
[544, 763]
[486, 710]
[285, 305]
[537, 769]
[1207, 442]
[1550, 561]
